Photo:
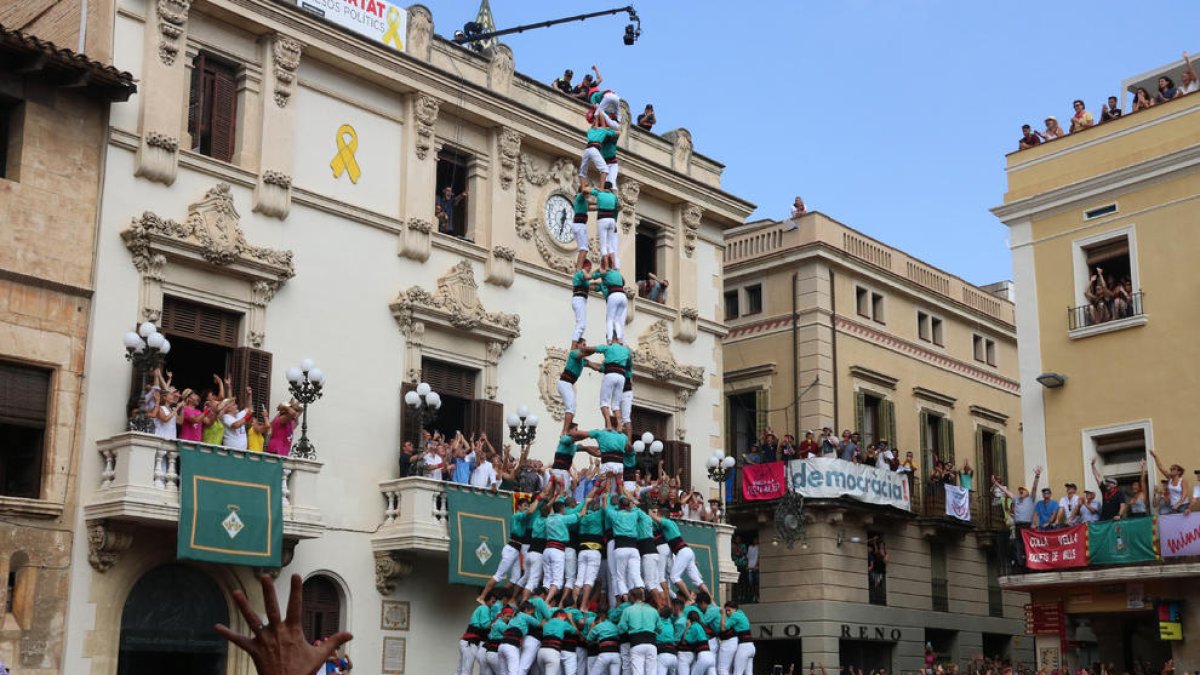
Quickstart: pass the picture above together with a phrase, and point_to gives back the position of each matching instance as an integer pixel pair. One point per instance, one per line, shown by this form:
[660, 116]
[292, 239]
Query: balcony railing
[1097, 313]
[140, 484]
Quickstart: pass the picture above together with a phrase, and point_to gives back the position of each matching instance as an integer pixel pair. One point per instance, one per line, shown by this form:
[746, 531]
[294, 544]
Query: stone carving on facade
[456, 304]
[390, 566]
[690, 216]
[625, 121]
[681, 148]
[510, 156]
[416, 239]
[561, 176]
[629, 191]
[653, 356]
[425, 110]
[500, 270]
[420, 32]
[287, 59]
[157, 157]
[273, 194]
[105, 545]
[172, 21]
[687, 326]
[548, 374]
[500, 69]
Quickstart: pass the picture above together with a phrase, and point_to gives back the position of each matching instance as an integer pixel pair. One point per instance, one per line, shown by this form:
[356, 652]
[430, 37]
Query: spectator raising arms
[647, 119]
[282, 426]
[1189, 84]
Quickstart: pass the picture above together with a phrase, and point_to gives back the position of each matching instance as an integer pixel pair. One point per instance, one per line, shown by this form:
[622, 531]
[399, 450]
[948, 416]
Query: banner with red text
[1179, 534]
[1055, 549]
[763, 481]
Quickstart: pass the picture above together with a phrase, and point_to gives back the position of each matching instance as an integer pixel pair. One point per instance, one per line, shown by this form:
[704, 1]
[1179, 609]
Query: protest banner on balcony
[829, 478]
[230, 507]
[763, 481]
[1179, 534]
[1120, 542]
[958, 503]
[1055, 549]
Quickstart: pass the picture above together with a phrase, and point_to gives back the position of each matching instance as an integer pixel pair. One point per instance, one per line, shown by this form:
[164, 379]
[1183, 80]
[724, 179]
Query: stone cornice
[874, 377]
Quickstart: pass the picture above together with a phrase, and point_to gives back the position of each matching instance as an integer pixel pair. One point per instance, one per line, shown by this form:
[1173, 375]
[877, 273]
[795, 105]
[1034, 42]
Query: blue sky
[892, 116]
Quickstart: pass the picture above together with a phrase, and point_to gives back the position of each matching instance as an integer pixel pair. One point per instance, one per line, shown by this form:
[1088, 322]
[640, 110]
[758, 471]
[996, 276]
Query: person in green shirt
[510, 555]
[558, 537]
[564, 456]
[495, 635]
[613, 286]
[476, 632]
[734, 622]
[664, 641]
[699, 656]
[597, 134]
[580, 228]
[508, 653]
[640, 622]
[683, 559]
[556, 633]
[603, 636]
[574, 365]
[607, 207]
[710, 616]
[534, 613]
[626, 562]
[617, 360]
[591, 540]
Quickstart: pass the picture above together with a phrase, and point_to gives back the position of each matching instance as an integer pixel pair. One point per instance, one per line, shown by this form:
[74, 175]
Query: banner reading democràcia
[828, 478]
[1119, 542]
[478, 524]
[1179, 534]
[763, 481]
[958, 502]
[378, 20]
[1055, 549]
[230, 507]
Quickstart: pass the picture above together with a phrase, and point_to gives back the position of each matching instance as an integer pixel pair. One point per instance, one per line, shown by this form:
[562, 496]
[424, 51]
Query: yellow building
[831, 328]
[1102, 226]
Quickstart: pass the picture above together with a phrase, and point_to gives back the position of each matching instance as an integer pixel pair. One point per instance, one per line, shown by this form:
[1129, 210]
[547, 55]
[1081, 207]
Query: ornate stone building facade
[269, 196]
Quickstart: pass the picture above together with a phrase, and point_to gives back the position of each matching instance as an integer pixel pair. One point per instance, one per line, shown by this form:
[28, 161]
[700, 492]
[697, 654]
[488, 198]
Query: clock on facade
[560, 213]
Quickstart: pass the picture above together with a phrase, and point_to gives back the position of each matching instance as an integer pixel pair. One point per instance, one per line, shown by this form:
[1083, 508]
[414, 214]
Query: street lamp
[423, 402]
[305, 383]
[719, 466]
[522, 427]
[648, 450]
[146, 349]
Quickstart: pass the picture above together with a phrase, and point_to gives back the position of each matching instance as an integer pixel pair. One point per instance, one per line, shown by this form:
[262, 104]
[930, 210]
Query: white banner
[958, 502]
[829, 478]
[378, 20]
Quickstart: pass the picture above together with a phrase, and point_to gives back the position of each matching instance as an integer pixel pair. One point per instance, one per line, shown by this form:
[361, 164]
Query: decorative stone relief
[420, 32]
[686, 327]
[390, 566]
[653, 356]
[510, 151]
[415, 241]
[690, 215]
[255, 338]
[157, 157]
[631, 296]
[560, 176]
[500, 267]
[425, 110]
[455, 304]
[273, 194]
[682, 396]
[287, 59]
[628, 190]
[172, 21]
[106, 545]
[548, 374]
[681, 149]
[500, 69]
[625, 120]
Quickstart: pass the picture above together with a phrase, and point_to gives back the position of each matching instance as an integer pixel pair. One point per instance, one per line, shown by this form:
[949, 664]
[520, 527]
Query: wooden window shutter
[199, 322]
[322, 609]
[677, 456]
[487, 417]
[24, 395]
[448, 379]
[980, 450]
[1000, 458]
[252, 368]
[762, 404]
[948, 440]
[887, 422]
[196, 100]
[926, 451]
[408, 425]
[860, 413]
[224, 115]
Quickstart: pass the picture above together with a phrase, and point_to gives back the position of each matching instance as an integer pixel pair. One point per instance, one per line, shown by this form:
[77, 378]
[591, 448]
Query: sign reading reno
[829, 478]
[378, 20]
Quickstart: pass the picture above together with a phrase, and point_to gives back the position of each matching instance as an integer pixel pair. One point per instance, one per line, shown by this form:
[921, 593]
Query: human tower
[597, 587]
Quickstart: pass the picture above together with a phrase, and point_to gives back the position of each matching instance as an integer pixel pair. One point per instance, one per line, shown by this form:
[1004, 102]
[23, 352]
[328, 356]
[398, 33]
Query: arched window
[322, 608]
[167, 624]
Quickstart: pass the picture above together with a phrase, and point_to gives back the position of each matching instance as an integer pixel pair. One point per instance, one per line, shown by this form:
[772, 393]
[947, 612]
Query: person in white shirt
[1188, 82]
[165, 414]
[885, 457]
[433, 462]
[484, 475]
[235, 425]
[1089, 508]
[1069, 507]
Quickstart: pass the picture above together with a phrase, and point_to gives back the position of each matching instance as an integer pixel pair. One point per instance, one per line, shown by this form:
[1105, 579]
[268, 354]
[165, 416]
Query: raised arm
[1037, 476]
[599, 77]
[1158, 463]
[1003, 488]
[1096, 474]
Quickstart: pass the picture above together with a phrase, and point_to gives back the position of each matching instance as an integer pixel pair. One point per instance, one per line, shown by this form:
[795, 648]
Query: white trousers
[549, 660]
[588, 569]
[725, 655]
[489, 661]
[625, 658]
[467, 654]
[618, 308]
[529, 650]
[508, 658]
[743, 660]
[664, 562]
[533, 570]
[610, 391]
[508, 567]
[577, 661]
[552, 568]
[684, 661]
[705, 664]
[650, 570]
[592, 159]
[609, 243]
[570, 565]
[610, 107]
[611, 173]
[608, 663]
[626, 404]
[627, 570]
[684, 561]
[566, 390]
[581, 235]
[643, 659]
[563, 476]
[667, 663]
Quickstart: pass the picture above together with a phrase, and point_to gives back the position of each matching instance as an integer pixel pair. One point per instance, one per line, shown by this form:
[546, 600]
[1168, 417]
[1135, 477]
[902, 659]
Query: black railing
[877, 589]
[1113, 309]
[940, 595]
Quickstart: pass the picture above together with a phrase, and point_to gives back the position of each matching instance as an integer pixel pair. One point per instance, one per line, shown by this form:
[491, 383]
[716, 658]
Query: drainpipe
[833, 343]
[795, 359]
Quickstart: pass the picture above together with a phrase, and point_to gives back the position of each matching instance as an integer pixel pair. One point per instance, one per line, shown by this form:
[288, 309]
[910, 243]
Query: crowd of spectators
[1108, 299]
[770, 448]
[590, 84]
[214, 415]
[1111, 110]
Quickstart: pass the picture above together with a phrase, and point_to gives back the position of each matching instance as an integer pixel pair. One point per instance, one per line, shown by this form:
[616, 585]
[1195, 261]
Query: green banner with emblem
[1120, 542]
[703, 541]
[230, 506]
[478, 531]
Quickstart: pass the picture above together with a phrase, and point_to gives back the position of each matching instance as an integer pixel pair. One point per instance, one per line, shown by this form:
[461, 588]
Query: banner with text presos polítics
[829, 478]
[378, 20]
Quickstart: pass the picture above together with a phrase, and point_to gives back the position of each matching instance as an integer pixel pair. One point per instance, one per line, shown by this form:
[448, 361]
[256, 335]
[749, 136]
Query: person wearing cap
[1089, 508]
[1113, 505]
[1045, 511]
[640, 622]
[1053, 130]
[563, 83]
[1069, 506]
[1176, 490]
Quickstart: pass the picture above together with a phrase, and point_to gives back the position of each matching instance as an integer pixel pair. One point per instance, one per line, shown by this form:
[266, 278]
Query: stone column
[281, 61]
[419, 170]
[163, 86]
[502, 241]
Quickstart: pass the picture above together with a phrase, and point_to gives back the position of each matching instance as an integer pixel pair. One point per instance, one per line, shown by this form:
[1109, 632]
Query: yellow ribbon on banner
[343, 161]
[392, 36]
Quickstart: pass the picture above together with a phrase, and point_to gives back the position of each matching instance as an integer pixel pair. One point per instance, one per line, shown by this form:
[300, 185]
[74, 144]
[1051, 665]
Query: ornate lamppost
[648, 451]
[719, 465]
[423, 402]
[305, 384]
[522, 427]
[146, 349]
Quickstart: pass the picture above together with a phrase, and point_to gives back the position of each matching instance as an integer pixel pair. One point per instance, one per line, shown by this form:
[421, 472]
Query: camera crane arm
[471, 32]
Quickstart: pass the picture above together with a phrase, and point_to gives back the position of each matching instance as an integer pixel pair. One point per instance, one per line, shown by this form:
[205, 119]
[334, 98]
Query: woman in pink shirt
[191, 419]
[282, 426]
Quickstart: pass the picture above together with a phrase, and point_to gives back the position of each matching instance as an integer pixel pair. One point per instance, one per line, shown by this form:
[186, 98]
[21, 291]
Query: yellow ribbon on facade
[343, 161]
[392, 36]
